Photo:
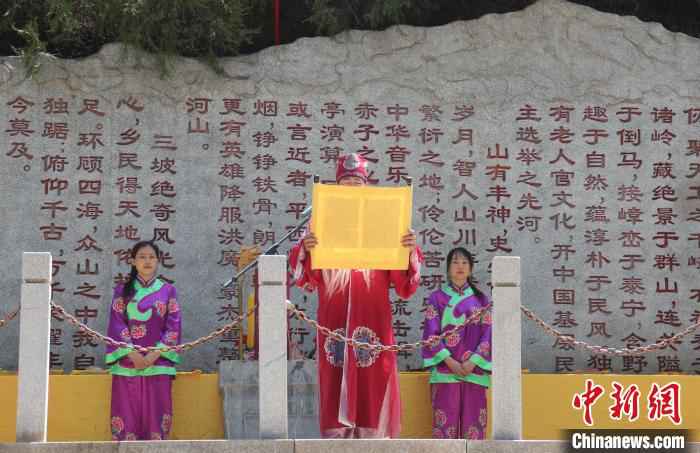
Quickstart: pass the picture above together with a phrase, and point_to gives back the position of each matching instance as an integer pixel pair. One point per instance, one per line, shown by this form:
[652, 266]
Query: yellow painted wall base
[79, 405]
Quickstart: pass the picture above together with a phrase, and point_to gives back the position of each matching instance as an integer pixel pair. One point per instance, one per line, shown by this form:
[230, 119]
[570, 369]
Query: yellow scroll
[360, 227]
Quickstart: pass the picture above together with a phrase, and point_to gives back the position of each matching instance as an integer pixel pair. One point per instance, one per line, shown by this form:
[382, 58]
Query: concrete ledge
[516, 446]
[380, 446]
[303, 446]
[168, 446]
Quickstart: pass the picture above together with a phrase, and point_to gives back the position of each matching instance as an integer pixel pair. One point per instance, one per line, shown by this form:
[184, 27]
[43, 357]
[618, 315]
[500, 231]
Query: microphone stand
[270, 250]
[273, 247]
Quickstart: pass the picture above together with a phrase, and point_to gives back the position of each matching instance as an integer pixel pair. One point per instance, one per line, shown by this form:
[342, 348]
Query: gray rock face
[559, 134]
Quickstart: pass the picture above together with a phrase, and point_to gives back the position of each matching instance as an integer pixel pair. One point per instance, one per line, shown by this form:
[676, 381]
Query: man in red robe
[359, 388]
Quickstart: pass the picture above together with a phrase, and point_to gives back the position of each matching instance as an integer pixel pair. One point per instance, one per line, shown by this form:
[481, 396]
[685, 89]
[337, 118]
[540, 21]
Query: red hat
[351, 165]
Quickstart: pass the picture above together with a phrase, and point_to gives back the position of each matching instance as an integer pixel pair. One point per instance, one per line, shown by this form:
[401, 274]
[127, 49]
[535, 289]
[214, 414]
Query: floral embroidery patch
[451, 432]
[484, 348]
[437, 433]
[335, 349]
[166, 423]
[430, 313]
[365, 357]
[117, 425]
[130, 436]
[473, 433]
[119, 305]
[439, 417]
[170, 338]
[452, 340]
[173, 307]
[483, 417]
[125, 334]
[138, 331]
[486, 318]
[161, 308]
[156, 436]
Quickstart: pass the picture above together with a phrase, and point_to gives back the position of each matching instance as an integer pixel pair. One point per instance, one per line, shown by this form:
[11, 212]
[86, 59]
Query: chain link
[430, 341]
[61, 312]
[569, 340]
[564, 338]
[9, 317]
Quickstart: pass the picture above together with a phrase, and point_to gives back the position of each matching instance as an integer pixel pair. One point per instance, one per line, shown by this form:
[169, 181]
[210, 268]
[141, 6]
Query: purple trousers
[459, 410]
[142, 407]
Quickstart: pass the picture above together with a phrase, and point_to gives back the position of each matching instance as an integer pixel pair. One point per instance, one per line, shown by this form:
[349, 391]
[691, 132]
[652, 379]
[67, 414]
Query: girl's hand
[455, 367]
[138, 360]
[151, 358]
[468, 367]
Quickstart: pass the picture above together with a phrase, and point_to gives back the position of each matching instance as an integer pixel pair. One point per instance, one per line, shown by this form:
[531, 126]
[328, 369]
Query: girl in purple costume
[461, 363]
[144, 312]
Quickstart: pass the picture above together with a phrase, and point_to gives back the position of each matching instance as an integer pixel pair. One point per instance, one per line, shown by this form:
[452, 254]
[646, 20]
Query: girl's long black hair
[129, 289]
[461, 251]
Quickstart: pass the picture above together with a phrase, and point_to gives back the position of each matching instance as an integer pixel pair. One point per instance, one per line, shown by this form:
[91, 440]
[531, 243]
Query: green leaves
[203, 29]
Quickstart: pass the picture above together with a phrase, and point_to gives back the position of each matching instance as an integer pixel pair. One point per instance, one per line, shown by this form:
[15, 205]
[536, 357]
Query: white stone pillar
[34, 329]
[272, 360]
[506, 393]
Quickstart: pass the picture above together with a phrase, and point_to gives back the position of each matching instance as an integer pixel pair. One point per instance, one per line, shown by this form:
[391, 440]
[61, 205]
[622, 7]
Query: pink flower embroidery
[451, 432]
[483, 417]
[430, 313]
[131, 436]
[161, 308]
[473, 433]
[465, 356]
[138, 331]
[486, 318]
[452, 340]
[166, 423]
[125, 334]
[437, 434]
[156, 436]
[117, 425]
[118, 305]
[484, 348]
[173, 307]
[439, 417]
[171, 338]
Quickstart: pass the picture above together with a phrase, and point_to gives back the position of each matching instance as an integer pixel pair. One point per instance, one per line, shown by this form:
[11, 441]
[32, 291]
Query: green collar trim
[447, 289]
[142, 292]
[448, 315]
[132, 308]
